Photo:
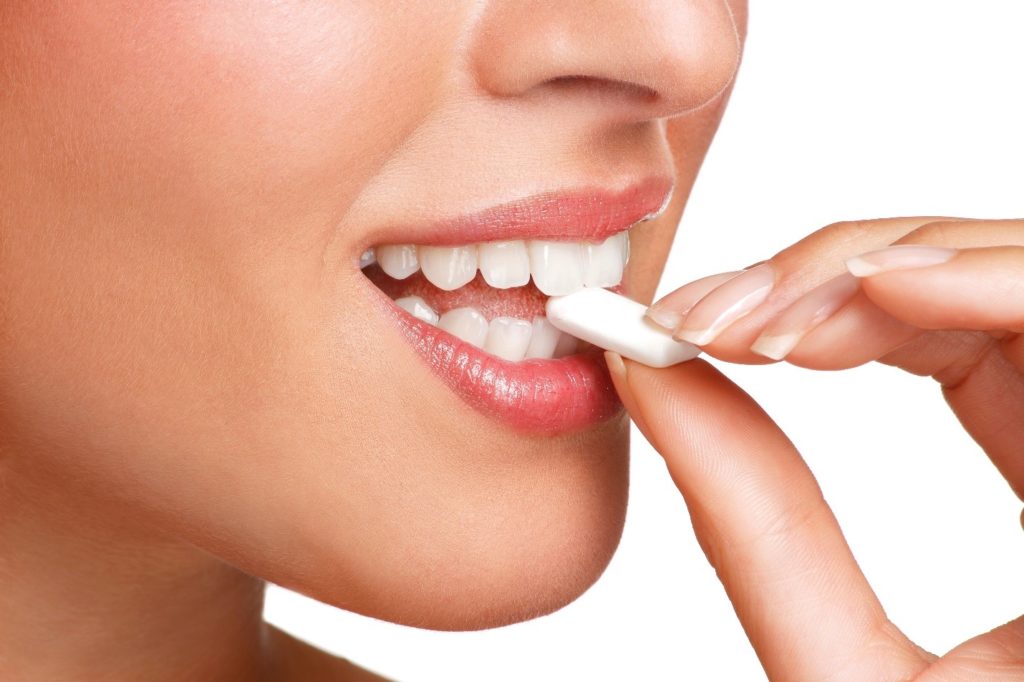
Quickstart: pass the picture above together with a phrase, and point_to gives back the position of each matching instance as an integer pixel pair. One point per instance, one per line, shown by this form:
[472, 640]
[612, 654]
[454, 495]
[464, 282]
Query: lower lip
[536, 396]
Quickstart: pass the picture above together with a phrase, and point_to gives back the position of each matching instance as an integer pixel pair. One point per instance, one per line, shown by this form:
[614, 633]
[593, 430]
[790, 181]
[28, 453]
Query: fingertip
[670, 310]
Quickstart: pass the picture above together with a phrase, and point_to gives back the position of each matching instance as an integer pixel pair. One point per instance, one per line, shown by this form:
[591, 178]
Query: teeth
[604, 262]
[398, 261]
[508, 338]
[467, 324]
[368, 258]
[417, 307]
[543, 339]
[504, 264]
[557, 267]
[448, 267]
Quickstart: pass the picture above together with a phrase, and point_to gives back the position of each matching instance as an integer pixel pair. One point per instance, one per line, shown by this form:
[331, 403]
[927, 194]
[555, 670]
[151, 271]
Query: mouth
[469, 296]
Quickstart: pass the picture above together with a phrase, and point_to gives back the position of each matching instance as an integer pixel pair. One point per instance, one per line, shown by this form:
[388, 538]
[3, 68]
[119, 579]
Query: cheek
[175, 335]
[180, 170]
[181, 167]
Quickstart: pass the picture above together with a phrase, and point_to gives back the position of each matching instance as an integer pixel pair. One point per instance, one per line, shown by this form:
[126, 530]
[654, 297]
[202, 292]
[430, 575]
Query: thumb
[760, 518]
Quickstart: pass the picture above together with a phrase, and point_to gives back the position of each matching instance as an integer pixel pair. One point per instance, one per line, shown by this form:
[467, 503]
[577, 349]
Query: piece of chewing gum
[618, 324]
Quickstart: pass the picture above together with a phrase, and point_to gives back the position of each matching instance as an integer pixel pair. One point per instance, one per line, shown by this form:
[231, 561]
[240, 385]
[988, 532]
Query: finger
[799, 294]
[974, 289]
[727, 320]
[996, 655]
[937, 288]
[760, 517]
[671, 309]
[934, 287]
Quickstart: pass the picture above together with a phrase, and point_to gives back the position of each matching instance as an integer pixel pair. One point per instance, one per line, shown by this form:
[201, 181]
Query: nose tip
[659, 57]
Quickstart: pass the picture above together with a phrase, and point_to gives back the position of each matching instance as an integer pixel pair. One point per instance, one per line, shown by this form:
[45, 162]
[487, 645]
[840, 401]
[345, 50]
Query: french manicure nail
[670, 310]
[898, 257]
[806, 313]
[731, 301]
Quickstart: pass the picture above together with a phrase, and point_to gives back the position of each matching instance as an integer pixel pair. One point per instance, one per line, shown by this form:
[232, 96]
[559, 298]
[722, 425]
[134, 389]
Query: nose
[644, 59]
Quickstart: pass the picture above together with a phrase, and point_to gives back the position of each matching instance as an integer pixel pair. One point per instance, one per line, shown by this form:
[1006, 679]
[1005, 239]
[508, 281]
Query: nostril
[603, 86]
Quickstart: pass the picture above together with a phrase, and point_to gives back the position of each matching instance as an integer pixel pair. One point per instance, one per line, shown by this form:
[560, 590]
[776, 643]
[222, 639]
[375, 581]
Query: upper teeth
[558, 268]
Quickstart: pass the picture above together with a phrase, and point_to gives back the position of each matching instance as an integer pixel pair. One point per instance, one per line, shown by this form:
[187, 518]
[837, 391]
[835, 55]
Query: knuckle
[938, 233]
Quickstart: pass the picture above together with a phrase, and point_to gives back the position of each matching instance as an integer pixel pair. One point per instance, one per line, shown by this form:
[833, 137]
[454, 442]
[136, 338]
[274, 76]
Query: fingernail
[729, 302]
[670, 310]
[615, 364]
[806, 313]
[899, 257]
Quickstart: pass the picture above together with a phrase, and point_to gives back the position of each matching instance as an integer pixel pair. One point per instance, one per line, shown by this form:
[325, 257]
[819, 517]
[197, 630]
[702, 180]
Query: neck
[89, 594]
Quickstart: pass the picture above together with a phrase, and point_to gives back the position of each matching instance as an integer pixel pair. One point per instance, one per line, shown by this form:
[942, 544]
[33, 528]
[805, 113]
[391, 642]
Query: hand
[948, 303]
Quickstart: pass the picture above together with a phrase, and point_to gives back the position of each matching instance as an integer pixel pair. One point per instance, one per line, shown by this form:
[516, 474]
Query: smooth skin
[198, 390]
[756, 508]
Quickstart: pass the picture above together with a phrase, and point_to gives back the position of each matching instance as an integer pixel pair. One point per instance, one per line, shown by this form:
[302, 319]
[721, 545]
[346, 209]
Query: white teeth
[467, 324]
[543, 339]
[504, 264]
[368, 258]
[508, 338]
[604, 262]
[557, 267]
[398, 261]
[417, 307]
[448, 267]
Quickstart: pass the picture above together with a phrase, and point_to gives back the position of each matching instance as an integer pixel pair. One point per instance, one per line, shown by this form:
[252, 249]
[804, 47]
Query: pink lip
[537, 396]
[586, 215]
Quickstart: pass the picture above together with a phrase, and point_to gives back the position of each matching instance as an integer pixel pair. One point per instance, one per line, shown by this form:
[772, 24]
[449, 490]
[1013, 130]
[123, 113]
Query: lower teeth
[509, 338]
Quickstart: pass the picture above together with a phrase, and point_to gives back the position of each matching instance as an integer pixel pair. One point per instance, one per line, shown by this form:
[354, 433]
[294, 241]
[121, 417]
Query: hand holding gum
[618, 324]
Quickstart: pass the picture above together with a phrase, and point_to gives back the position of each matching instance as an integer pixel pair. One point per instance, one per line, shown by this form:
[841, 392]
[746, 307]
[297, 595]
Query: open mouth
[475, 310]
[492, 295]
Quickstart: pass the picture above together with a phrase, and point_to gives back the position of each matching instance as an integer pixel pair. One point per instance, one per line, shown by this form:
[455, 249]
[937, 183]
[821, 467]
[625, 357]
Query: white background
[842, 110]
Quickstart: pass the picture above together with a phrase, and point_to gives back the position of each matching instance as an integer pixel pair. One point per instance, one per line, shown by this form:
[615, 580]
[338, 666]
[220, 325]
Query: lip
[536, 396]
[581, 215]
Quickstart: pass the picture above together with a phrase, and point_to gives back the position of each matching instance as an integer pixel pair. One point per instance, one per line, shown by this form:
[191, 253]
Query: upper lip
[587, 214]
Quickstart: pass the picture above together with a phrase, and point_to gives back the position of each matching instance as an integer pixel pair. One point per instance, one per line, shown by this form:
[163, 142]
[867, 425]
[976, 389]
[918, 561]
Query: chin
[494, 552]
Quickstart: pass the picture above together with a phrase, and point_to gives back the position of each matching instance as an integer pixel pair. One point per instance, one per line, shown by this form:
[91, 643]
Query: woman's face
[186, 190]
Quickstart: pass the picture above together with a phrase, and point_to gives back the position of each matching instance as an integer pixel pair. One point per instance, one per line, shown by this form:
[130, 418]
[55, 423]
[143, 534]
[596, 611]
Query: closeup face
[193, 331]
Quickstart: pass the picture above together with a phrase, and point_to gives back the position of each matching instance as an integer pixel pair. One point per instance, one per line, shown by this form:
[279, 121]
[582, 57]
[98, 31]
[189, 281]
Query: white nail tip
[776, 347]
[508, 338]
[398, 261]
[448, 267]
[418, 308]
[467, 324]
[504, 264]
[859, 267]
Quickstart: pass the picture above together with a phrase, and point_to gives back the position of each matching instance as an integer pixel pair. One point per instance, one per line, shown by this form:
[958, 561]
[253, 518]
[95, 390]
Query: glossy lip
[536, 396]
[582, 215]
